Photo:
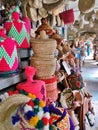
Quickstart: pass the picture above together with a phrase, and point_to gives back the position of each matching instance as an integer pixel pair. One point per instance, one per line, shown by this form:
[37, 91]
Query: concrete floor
[90, 76]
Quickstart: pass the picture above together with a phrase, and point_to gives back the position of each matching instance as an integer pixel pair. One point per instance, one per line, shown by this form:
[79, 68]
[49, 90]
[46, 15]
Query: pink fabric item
[36, 87]
[8, 53]
[19, 30]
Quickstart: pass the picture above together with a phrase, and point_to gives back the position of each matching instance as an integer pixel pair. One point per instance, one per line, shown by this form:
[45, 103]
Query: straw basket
[9, 107]
[45, 66]
[86, 6]
[51, 88]
[43, 47]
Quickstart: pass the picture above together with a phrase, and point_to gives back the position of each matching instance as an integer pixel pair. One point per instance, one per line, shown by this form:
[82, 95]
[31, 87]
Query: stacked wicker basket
[45, 63]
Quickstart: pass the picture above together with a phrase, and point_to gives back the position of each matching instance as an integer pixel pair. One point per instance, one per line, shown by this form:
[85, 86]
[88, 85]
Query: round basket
[43, 47]
[86, 6]
[45, 66]
[51, 88]
[7, 108]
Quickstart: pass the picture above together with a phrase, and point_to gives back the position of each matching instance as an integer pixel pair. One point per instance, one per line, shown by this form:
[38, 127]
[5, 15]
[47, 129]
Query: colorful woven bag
[51, 89]
[18, 29]
[8, 52]
[60, 119]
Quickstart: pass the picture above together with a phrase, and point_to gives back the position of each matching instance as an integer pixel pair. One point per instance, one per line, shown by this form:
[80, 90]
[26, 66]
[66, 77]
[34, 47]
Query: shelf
[6, 82]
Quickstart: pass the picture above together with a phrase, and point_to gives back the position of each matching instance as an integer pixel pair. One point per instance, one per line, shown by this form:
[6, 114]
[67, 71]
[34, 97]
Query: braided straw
[8, 107]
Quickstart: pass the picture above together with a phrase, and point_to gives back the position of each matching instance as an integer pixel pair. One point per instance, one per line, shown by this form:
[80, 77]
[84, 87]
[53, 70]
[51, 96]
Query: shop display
[53, 94]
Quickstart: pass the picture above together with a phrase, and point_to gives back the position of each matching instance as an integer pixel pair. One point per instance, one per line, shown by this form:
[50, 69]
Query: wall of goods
[49, 90]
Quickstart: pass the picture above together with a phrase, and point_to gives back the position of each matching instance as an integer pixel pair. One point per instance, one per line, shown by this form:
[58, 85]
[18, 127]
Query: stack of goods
[8, 55]
[36, 87]
[45, 62]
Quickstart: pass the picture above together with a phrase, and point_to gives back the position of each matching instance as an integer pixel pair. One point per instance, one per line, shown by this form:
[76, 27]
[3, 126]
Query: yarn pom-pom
[33, 121]
[29, 115]
[40, 124]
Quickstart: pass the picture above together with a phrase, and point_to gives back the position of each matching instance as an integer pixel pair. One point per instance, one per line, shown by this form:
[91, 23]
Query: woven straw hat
[49, 1]
[42, 12]
[7, 108]
[35, 3]
[89, 15]
[86, 6]
[32, 13]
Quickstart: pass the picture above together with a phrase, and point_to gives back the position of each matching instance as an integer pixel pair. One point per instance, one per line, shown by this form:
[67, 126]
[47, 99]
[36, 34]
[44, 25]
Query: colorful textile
[8, 53]
[19, 30]
[60, 119]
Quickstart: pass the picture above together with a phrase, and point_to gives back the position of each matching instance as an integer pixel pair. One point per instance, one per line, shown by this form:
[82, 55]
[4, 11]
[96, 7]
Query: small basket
[51, 88]
[45, 67]
[43, 47]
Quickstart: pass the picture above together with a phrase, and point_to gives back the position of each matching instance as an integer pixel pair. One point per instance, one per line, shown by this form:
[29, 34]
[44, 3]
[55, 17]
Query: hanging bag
[67, 16]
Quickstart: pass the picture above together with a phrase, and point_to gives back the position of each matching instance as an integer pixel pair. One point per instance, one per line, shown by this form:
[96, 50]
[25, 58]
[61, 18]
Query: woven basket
[7, 108]
[51, 88]
[45, 66]
[8, 53]
[86, 6]
[43, 47]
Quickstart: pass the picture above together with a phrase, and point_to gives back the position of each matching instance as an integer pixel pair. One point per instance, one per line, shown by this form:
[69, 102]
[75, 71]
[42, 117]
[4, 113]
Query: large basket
[45, 67]
[43, 47]
[7, 108]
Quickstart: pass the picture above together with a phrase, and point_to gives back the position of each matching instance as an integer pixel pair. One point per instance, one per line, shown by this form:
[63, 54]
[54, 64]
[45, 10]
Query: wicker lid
[86, 6]
[45, 27]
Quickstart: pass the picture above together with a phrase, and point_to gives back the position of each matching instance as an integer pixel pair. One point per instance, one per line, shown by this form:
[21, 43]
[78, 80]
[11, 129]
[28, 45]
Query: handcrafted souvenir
[43, 59]
[18, 29]
[67, 16]
[36, 87]
[75, 81]
[86, 6]
[19, 112]
[45, 66]
[44, 26]
[60, 119]
[8, 52]
[57, 37]
[43, 47]
[51, 88]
